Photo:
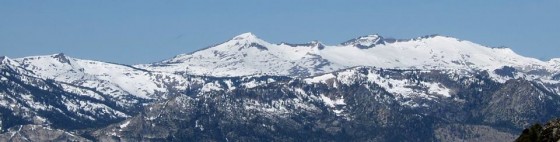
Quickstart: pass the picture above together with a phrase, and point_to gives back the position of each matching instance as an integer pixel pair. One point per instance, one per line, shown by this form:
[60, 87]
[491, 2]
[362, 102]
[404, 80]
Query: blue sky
[145, 31]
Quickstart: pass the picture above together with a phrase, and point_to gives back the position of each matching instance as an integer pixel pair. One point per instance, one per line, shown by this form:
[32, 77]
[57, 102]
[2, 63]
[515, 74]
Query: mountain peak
[430, 36]
[243, 41]
[314, 42]
[3, 59]
[367, 41]
[434, 36]
[245, 36]
[61, 57]
[370, 36]
[555, 60]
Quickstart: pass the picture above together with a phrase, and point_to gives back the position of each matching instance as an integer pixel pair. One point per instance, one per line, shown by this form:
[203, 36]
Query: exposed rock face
[36, 133]
[556, 77]
[471, 133]
[550, 132]
[520, 103]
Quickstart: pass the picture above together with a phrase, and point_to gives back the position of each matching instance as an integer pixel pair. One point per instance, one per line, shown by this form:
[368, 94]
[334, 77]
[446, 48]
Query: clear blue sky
[144, 31]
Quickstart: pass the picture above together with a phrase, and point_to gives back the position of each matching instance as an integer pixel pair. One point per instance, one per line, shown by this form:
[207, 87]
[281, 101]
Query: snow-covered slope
[379, 100]
[7, 62]
[248, 55]
[365, 42]
[65, 92]
[555, 64]
[108, 78]
[26, 99]
[433, 52]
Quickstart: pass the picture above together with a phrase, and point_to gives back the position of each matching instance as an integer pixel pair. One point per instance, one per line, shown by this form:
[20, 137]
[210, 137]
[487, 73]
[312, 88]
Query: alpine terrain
[370, 88]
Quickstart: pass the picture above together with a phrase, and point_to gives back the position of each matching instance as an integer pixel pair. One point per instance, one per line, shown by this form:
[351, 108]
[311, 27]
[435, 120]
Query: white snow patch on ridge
[125, 124]
[213, 86]
[402, 88]
[332, 103]
[320, 79]
[436, 88]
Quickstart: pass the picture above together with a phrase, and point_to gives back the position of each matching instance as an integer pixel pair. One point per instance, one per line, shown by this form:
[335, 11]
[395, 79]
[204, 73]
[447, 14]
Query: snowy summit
[246, 54]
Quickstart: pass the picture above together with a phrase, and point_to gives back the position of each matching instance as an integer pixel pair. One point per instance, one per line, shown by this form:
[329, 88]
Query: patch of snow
[83, 92]
[124, 124]
[79, 106]
[230, 85]
[300, 91]
[404, 88]
[347, 77]
[198, 125]
[332, 103]
[338, 111]
[320, 79]
[270, 80]
[213, 86]
[253, 84]
[151, 118]
[436, 88]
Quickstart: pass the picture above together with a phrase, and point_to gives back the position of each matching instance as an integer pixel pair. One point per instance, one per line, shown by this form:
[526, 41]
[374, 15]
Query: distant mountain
[116, 79]
[71, 93]
[370, 88]
[246, 54]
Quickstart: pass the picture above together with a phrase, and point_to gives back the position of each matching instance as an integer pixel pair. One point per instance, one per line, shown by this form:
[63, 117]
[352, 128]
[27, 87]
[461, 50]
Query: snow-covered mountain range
[246, 54]
[116, 79]
[420, 75]
[75, 93]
